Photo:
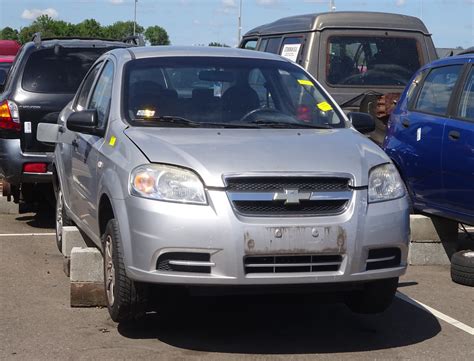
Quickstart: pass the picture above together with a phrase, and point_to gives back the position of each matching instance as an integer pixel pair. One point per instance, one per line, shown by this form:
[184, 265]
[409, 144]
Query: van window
[250, 44]
[291, 48]
[58, 72]
[273, 45]
[371, 60]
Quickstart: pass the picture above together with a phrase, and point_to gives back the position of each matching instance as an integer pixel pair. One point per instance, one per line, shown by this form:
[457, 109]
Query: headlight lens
[385, 183]
[167, 183]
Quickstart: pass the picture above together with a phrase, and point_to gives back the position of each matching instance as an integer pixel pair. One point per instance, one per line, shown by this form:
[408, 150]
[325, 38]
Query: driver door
[85, 151]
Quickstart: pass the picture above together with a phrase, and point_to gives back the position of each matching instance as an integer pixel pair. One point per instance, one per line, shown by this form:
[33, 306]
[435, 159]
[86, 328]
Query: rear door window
[371, 60]
[437, 88]
[273, 45]
[58, 70]
[291, 48]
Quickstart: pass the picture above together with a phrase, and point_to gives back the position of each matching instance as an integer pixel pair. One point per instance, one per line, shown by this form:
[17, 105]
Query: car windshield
[219, 91]
[371, 60]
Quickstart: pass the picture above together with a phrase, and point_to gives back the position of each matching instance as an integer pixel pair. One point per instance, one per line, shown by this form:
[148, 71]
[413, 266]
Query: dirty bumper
[212, 245]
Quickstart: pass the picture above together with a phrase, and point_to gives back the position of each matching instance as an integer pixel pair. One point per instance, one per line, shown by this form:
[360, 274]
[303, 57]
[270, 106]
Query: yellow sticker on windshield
[324, 106]
[112, 141]
[305, 82]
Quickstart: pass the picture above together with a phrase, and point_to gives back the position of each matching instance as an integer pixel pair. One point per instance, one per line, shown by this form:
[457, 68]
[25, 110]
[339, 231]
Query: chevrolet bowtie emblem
[291, 196]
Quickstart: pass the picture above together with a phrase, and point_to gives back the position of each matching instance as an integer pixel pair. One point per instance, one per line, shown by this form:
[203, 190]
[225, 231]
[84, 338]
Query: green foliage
[156, 35]
[89, 28]
[9, 34]
[220, 45]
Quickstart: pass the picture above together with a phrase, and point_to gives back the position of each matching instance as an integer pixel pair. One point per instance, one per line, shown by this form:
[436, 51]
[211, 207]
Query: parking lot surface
[37, 323]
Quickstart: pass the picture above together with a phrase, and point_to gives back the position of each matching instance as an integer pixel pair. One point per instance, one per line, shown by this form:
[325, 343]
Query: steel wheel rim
[59, 217]
[109, 271]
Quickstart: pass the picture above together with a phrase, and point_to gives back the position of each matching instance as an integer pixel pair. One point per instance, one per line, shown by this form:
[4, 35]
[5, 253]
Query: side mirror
[363, 122]
[85, 121]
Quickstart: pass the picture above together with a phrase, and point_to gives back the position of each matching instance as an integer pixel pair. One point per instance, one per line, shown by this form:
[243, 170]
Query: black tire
[375, 297]
[126, 299]
[61, 218]
[462, 268]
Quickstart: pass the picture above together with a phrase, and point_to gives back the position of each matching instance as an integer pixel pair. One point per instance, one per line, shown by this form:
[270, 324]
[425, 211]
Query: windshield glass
[224, 91]
[371, 60]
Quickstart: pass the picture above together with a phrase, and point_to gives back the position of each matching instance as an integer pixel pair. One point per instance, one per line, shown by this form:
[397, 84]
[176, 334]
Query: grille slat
[292, 264]
[271, 184]
[289, 196]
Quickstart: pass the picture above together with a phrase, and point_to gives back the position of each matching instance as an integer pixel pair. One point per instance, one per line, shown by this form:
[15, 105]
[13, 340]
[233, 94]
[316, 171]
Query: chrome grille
[292, 263]
[289, 196]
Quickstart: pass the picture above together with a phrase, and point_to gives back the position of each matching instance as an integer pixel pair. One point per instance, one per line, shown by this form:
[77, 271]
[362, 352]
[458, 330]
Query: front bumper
[12, 160]
[151, 228]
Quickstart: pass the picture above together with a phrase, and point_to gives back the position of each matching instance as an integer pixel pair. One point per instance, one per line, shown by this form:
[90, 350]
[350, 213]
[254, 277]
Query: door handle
[454, 135]
[405, 123]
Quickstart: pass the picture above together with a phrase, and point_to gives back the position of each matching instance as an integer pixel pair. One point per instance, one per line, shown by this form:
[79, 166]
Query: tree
[89, 28]
[220, 45]
[156, 35]
[9, 34]
[121, 29]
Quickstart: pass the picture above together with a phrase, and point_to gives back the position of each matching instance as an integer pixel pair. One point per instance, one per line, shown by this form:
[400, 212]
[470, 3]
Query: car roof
[457, 59]
[7, 58]
[77, 43]
[340, 19]
[186, 51]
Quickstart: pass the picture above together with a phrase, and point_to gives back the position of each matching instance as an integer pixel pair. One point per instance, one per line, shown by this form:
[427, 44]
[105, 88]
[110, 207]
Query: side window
[262, 45]
[273, 45]
[466, 104]
[86, 87]
[250, 44]
[102, 94]
[291, 47]
[437, 88]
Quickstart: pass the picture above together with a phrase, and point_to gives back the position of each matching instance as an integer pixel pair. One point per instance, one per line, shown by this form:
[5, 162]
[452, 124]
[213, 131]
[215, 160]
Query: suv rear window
[58, 70]
[371, 60]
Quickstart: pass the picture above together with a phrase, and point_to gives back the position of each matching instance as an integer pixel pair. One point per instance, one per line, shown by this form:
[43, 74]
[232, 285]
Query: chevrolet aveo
[225, 167]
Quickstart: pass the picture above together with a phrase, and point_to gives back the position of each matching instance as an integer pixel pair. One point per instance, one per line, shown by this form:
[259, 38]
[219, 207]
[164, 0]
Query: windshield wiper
[168, 119]
[280, 124]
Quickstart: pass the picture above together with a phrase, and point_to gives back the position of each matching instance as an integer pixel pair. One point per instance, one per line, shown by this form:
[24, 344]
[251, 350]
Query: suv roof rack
[136, 40]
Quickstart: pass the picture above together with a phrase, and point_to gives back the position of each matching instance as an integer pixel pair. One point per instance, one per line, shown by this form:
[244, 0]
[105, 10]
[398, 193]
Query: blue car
[430, 138]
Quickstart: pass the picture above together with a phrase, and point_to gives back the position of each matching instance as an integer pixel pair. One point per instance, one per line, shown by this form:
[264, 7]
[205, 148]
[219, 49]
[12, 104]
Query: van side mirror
[363, 122]
[85, 121]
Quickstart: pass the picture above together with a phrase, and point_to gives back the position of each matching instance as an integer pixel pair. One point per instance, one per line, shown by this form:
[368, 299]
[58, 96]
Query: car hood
[215, 153]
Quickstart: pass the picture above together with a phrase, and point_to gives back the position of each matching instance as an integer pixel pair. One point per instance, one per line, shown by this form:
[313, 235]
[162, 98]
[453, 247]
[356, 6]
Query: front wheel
[126, 299]
[375, 297]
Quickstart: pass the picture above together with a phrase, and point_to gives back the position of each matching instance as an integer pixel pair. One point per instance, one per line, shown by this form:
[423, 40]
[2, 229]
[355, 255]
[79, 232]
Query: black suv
[43, 79]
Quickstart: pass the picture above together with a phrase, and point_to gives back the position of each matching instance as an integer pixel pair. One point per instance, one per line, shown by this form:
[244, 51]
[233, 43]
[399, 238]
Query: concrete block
[430, 253]
[86, 265]
[433, 240]
[7, 207]
[71, 238]
[434, 229]
[86, 277]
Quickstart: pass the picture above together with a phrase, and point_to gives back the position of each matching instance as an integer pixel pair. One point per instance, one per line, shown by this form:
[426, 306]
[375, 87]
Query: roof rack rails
[37, 39]
[136, 40]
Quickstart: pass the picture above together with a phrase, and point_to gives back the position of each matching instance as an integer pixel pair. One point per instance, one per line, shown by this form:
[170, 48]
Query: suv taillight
[9, 116]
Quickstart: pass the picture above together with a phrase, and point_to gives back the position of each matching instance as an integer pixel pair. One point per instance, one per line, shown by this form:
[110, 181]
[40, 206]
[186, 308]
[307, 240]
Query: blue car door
[420, 136]
[458, 153]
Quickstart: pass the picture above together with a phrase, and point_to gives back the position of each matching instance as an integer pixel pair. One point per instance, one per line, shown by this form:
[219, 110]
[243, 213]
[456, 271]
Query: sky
[193, 22]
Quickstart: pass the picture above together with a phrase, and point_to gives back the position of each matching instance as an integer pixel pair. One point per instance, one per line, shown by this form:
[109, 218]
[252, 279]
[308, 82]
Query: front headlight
[385, 183]
[167, 183]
